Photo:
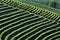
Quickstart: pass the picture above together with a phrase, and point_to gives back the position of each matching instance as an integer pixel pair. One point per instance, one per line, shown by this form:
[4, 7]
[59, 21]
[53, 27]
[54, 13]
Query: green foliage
[21, 20]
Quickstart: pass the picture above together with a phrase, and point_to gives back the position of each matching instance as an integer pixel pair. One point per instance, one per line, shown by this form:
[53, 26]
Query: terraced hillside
[22, 21]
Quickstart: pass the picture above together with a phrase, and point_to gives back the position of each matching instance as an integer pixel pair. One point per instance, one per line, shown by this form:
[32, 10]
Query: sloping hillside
[22, 21]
